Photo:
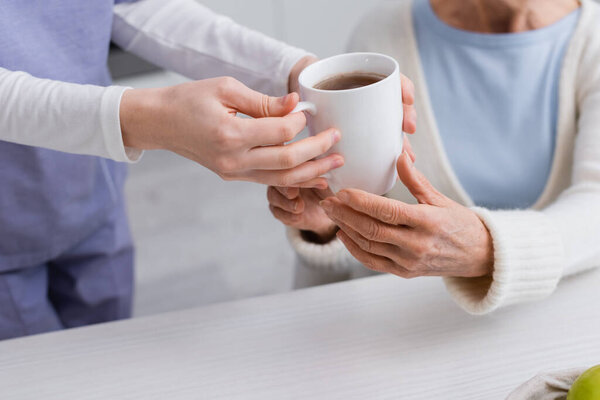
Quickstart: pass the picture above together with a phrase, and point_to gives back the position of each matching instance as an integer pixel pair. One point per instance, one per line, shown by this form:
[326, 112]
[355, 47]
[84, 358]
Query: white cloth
[533, 248]
[547, 386]
[181, 35]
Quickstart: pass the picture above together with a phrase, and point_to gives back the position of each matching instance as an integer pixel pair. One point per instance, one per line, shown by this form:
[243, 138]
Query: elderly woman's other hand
[437, 237]
[300, 209]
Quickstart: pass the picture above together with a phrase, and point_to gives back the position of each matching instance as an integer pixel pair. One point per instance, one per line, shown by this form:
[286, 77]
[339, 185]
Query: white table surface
[380, 337]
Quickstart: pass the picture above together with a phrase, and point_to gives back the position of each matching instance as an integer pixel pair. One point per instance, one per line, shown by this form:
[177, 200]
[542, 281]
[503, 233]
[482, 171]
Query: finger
[291, 155]
[256, 104]
[408, 148]
[409, 123]
[304, 176]
[408, 90]
[365, 225]
[315, 184]
[401, 255]
[271, 131]
[322, 194]
[295, 206]
[287, 218]
[391, 251]
[289, 192]
[381, 208]
[371, 261]
[312, 196]
[417, 183]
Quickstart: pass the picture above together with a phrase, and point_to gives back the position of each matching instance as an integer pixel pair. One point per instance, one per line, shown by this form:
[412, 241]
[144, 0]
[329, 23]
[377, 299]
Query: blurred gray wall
[319, 26]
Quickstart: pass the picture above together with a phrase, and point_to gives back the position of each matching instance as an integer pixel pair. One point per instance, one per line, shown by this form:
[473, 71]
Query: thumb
[258, 105]
[417, 183]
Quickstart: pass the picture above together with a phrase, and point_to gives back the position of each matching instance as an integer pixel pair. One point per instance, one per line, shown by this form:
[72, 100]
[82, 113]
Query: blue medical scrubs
[66, 254]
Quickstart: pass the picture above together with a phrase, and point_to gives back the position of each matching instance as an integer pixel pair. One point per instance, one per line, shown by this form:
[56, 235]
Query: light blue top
[495, 99]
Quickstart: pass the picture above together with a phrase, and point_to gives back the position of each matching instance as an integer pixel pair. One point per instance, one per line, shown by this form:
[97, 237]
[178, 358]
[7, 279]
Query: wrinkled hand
[437, 237]
[300, 209]
[199, 121]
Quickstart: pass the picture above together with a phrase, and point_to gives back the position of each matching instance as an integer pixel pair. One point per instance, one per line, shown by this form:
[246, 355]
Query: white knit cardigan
[533, 248]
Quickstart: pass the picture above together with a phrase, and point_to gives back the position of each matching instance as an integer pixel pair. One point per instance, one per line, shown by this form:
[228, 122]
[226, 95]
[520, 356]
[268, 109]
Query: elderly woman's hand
[300, 209]
[437, 237]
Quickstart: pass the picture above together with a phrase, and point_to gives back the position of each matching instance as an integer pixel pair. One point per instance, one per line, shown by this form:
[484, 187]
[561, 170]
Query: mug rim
[307, 70]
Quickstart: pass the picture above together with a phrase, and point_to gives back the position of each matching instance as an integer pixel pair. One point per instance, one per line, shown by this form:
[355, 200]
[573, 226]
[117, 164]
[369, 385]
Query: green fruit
[587, 386]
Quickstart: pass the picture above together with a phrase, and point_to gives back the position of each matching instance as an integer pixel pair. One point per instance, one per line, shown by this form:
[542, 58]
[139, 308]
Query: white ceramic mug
[369, 119]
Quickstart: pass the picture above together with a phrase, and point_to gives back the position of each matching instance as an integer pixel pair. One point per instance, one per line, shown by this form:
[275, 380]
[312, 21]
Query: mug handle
[307, 106]
[310, 108]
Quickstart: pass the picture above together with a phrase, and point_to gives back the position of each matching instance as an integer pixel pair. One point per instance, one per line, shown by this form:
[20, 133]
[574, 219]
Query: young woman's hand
[437, 237]
[199, 121]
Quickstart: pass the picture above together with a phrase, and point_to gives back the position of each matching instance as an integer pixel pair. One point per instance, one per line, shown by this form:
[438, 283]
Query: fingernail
[337, 135]
[326, 205]
[413, 157]
[337, 162]
[343, 196]
[283, 100]
[296, 205]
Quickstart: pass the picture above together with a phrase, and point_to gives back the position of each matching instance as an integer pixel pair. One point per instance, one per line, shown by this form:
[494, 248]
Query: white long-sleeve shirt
[180, 35]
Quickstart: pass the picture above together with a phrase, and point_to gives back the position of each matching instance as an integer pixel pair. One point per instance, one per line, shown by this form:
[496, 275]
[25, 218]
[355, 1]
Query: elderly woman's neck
[502, 16]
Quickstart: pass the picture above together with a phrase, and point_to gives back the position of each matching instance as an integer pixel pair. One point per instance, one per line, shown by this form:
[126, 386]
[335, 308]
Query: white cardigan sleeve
[81, 119]
[186, 37]
[330, 257]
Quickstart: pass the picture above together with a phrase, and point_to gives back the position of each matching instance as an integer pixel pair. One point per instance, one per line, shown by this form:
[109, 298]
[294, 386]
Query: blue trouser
[90, 283]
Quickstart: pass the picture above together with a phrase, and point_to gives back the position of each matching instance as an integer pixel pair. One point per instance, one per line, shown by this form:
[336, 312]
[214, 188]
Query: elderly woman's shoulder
[590, 15]
[384, 25]
[587, 36]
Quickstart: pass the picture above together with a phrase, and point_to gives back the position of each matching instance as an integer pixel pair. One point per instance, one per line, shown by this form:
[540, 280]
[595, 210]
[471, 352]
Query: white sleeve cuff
[528, 262]
[329, 257]
[111, 126]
